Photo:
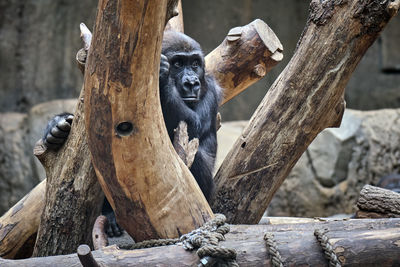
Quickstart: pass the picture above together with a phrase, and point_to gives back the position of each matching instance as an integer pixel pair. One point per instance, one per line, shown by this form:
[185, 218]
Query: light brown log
[73, 195]
[246, 55]
[21, 222]
[355, 242]
[377, 200]
[176, 23]
[146, 183]
[306, 98]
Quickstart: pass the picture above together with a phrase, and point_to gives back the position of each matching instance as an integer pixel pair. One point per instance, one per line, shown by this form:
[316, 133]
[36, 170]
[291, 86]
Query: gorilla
[187, 94]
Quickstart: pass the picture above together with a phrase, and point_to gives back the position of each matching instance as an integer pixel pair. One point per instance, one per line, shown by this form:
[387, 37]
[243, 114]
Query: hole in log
[124, 128]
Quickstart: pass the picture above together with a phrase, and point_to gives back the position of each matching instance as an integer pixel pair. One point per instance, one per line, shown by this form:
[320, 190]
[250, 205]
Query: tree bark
[378, 202]
[73, 195]
[306, 98]
[355, 242]
[246, 55]
[144, 180]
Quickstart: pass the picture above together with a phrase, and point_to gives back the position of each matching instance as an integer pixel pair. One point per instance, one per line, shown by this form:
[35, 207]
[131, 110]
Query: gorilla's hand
[57, 131]
[164, 71]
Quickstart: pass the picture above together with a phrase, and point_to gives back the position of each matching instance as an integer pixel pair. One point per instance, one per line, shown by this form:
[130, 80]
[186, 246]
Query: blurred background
[38, 43]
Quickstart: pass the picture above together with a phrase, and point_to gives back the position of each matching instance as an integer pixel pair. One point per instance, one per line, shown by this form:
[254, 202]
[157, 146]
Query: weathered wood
[144, 180]
[99, 235]
[185, 149]
[73, 195]
[306, 98]
[355, 242]
[376, 200]
[21, 222]
[246, 55]
[176, 23]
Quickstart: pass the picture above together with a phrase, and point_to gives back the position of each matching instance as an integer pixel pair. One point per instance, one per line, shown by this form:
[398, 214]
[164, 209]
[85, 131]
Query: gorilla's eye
[177, 64]
[195, 64]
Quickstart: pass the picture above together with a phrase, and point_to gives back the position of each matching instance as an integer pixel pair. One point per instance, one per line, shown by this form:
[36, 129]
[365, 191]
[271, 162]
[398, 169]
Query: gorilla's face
[187, 70]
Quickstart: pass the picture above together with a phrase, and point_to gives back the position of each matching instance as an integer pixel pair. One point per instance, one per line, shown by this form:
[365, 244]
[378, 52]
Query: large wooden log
[355, 242]
[246, 55]
[306, 98]
[146, 183]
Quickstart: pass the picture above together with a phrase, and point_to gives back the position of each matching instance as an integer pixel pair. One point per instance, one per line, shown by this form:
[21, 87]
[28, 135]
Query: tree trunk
[146, 183]
[306, 98]
[73, 195]
[377, 202]
[355, 243]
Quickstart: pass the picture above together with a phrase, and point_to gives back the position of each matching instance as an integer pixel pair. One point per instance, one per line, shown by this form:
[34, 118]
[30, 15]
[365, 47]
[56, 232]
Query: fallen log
[307, 97]
[355, 243]
[376, 202]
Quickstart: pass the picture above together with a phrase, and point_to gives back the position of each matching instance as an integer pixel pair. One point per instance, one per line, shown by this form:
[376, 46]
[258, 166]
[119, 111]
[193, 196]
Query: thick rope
[276, 258]
[328, 249]
[205, 239]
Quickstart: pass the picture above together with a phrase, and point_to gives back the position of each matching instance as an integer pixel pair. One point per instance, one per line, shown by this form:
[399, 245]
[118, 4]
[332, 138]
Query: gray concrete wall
[39, 40]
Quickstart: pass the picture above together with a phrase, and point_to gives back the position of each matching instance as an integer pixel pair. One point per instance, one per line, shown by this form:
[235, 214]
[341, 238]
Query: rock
[20, 171]
[16, 175]
[328, 177]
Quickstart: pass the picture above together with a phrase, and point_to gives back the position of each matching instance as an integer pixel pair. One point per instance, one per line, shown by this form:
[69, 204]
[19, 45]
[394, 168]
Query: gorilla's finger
[54, 140]
[109, 231]
[117, 231]
[56, 132]
[70, 118]
[64, 125]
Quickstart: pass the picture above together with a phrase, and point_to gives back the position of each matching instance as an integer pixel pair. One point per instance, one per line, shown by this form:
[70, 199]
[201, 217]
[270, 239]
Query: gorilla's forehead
[178, 42]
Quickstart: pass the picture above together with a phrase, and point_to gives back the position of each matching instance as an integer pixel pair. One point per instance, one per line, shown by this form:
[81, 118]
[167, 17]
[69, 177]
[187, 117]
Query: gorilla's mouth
[190, 99]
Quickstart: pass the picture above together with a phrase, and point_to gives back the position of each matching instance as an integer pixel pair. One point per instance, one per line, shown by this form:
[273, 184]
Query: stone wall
[39, 40]
[339, 162]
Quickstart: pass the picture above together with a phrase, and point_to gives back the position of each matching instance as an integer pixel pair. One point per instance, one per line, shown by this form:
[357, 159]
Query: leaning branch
[306, 98]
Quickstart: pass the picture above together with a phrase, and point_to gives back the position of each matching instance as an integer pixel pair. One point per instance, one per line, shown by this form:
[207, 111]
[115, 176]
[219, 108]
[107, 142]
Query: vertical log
[146, 183]
[73, 195]
[306, 98]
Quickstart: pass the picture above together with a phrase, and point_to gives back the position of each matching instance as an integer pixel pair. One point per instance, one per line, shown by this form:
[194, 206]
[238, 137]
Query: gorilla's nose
[192, 85]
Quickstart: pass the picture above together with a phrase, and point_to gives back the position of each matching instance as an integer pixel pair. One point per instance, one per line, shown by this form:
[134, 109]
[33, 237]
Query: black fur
[186, 94]
[200, 115]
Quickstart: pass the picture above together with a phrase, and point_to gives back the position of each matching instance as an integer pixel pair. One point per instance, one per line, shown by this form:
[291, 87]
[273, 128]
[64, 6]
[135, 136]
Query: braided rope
[327, 247]
[152, 243]
[276, 258]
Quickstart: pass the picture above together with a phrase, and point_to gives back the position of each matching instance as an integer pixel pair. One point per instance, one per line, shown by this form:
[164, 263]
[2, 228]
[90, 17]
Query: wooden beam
[355, 243]
[305, 99]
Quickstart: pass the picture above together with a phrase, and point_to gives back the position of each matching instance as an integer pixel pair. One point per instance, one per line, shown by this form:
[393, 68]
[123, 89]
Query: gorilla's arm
[203, 165]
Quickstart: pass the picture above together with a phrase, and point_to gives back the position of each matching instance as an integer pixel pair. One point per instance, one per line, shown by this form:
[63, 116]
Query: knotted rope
[205, 239]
